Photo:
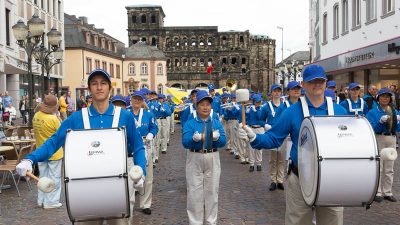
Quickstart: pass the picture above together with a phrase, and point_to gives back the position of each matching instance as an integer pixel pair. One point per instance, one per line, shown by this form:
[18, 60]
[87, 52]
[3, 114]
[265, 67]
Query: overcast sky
[257, 16]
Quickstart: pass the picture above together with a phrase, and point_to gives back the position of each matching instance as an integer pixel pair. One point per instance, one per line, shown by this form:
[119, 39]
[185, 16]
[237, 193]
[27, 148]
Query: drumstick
[31, 175]
[44, 184]
[243, 115]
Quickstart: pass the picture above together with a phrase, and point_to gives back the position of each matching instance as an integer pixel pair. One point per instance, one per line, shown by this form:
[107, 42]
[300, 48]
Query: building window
[143, 69]
[96, 40]
[88, 38]
[153, 18]
[160, 88]
[118, 91]
[201, 62]
[160, 69]
[131, 69]
[356, 13]
[185, 62]
[42, 4]
[144, 86]
[111, 70]
[345, 16]
[104, 65]
[194, 62]
[59, 9]
[143, 18]
[387, 6]
[177, 63]
[134, 19]
[325, 28]
[103, 43]
[97, 64]
[54, 7]
[153, 41]
[88, 65]
[118, 71]
[371, 10]
[131, 89]
[336, 20]
[8, 33]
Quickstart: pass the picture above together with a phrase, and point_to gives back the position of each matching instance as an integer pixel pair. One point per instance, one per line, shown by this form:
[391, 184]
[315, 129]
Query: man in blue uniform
[297, 212]
[101, 114]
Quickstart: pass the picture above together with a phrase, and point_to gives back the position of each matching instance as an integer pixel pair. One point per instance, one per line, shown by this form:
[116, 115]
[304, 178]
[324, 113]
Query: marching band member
[172, 117]
[355, 105]
[190, 111]
[154, 105]
[147, 127]
[255, 121]
[276, 157]
[202, 136]
[162, 112]
[119, 100]
[216, 103]
[101, 114]
[331, 85]
[297, 212]
[224, 99]
[385, 122]
[230, 114]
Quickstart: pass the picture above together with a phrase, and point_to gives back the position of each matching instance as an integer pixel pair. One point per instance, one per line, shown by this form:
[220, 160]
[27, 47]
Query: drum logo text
[96, 152]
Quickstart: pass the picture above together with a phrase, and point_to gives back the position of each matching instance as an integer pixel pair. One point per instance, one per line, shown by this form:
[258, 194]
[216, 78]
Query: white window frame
[370, 10]
[356, 13]
[335, 21]
[143, 69]
[387, 7]
[345, 16]
[159, 69]
[131, 69]
[325, 28]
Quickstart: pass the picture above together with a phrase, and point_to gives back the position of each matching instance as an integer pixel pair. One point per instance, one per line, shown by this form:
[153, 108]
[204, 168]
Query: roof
[146, 6]
[141, 50]
[298, 56]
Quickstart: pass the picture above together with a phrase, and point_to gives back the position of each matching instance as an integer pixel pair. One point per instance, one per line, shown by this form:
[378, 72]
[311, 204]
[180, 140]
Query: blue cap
[99, 71]
[330, 93]
[138, 94]
[194, 91]
[275, 86]
[223, 89]
[331, 83]
[128, 100]
[233, 95]
[257, 98]
[119, 98]
[225, 95]
[145, 91]
[312, 72]
[169, 96]
[303, 92]
[384, 91]
[88, 96]
[353, 85]
[201, 95]
[293, 84]
[161, 96]
[211, 87]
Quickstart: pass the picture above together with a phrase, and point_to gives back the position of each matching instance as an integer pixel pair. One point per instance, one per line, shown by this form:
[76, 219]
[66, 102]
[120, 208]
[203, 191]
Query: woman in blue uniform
[355, 105]
[202, 136]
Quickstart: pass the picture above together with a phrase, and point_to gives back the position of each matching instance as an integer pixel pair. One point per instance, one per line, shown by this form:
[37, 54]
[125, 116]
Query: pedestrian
[88, 100]
[45, 123]
[100, 115]
[385, 122]
[202, 136]
[63, 106]
[7, 99]
[22, 109]
[370, 97]
[12, 113]
[148, 129]
[355, 105]
[81, 103]
[70, 103]
[314, 83]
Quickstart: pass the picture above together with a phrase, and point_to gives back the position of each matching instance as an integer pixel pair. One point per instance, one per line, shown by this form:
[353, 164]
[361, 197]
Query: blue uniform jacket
[153, 105]
[289, 123]
[216, 104]
[374, 115]
[97, 120]
[197, 124]
[232, 112]
[354, 105]
[266, 113]
[254, 116]
[164, 110]
[148, 124]
[282, 107]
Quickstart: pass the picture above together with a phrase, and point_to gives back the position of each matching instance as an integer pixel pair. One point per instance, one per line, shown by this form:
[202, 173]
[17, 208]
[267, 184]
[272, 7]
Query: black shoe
[280, 186]
[243, 162]
[168, 144]
[390, 198]
[231, 153]
[247, 162]
[259, 168]
[272, 187]
[156, 161]
[237, 157]
[251, 169]
[378, 199]
[154, 165]
[163, 152]
[146, 211]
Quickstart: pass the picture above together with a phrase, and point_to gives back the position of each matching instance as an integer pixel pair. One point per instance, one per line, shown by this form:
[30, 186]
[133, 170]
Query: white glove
[250, 135]
[383, 119]
[196, 137]
[247, 109]
[267, 127]
[162, 109]
[253, 108]
[139, 185]
[149, 137]
[215, 135]
[24, 166]
[398, 117]
[243, 134]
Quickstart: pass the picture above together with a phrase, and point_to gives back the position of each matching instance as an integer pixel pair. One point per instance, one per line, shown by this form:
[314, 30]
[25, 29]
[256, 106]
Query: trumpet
[227, 105]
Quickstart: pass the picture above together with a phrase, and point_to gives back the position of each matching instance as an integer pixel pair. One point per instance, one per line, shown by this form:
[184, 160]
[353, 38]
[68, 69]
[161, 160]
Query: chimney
[83, 19]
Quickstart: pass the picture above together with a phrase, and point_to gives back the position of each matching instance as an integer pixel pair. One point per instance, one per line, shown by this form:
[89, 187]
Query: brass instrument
[231, 85]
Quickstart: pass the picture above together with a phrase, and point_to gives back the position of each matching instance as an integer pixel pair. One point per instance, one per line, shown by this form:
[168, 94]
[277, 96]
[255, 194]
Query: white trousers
[123, 221]
[202, 177]
[168, 128]
[52, 170]
[298, 213]
[172, 124]
[255, 156]
[225, 124]
[232, 133]
[386, 166]
[277, 163]
[162, 136]
[147, 197]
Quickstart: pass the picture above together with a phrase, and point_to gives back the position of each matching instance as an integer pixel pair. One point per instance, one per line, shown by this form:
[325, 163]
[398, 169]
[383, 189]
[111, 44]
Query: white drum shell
[338, 163]
[94, 163]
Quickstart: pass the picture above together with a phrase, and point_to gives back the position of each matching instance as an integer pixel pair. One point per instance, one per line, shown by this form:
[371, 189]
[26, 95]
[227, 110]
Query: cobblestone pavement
[244, 198]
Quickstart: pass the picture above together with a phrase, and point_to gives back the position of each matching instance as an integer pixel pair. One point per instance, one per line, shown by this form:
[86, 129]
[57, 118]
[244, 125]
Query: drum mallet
[389, 154]
[242, 96]
[44, 184]
[136, 173]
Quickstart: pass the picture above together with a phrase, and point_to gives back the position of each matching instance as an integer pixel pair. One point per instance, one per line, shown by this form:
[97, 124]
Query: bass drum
[338, 161]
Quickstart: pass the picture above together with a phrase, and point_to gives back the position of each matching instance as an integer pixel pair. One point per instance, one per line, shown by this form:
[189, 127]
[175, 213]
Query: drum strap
[138, 122]
[271, 108]
[337, 99]
[287, 103]
[356, 110]
[306, 112]
[85, 117]
[192, 111]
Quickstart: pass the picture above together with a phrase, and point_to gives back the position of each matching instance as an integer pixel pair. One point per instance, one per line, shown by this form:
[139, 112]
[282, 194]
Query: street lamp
[281, 28]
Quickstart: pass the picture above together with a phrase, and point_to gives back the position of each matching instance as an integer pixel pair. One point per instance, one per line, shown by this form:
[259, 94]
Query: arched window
[143, 69]
[153, 41]
[201, 62]
[160, 69]
[144, 19]
[160, 88]
[185, 62]
[243, 60]
[233, 60]
[201, 43]
[177, 62]
[194, 62]
[145, 86]
[144, 39]
[209, 41]
[134, 19]
[131, 69]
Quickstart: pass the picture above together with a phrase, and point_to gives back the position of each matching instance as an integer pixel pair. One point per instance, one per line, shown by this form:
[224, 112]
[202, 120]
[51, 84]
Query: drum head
[308, 163]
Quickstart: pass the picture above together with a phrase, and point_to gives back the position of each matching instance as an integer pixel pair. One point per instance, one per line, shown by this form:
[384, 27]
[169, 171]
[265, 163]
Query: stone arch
[177, 85]
[143, 18]
[201, 85]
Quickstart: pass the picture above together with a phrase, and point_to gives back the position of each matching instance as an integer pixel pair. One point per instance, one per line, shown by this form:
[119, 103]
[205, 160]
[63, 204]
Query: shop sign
[362, 57]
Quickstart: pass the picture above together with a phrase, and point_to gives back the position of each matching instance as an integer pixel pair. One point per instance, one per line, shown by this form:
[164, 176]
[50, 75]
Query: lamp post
[31, 39]
[286, 70]
[281, 28]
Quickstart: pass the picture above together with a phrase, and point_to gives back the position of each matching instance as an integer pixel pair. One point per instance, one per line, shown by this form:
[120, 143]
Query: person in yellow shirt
[45, 123]
[63, 106]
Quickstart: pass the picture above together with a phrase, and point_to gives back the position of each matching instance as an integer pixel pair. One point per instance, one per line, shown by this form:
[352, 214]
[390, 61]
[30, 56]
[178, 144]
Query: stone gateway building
[236, 56]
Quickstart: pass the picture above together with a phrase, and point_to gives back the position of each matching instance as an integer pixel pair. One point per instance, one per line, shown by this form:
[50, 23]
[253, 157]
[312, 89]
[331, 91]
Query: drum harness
[356, 110]
[306, 113]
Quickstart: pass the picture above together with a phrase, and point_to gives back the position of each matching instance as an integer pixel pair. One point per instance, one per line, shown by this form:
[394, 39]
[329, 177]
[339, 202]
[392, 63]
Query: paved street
[244, 198]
